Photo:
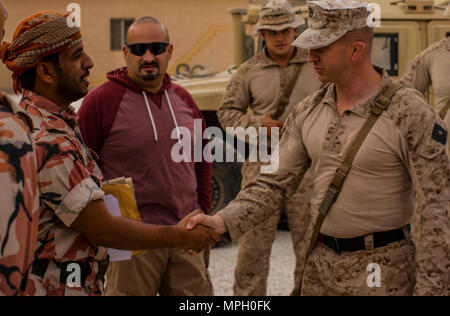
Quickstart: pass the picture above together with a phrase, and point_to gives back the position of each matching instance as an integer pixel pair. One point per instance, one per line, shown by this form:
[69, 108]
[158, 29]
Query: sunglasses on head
[156, 48]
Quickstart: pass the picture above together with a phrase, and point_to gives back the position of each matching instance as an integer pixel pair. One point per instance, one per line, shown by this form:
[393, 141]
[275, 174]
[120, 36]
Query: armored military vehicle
[407, 27]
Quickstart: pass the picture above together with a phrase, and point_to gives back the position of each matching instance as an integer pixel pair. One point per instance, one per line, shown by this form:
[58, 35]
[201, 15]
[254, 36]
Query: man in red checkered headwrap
[35, 39]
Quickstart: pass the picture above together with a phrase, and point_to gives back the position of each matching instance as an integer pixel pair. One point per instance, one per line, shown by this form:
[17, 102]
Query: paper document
[112, 204]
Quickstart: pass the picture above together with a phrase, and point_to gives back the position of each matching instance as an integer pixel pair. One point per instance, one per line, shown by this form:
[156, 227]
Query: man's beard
[70, 89]
[149, 76]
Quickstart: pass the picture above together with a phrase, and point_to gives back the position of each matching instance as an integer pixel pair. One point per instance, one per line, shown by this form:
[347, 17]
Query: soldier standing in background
[432, 68]
[265, 85]
[367, 216]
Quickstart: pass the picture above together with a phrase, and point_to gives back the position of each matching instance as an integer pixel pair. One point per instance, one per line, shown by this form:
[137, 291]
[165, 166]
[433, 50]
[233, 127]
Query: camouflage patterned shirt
[259, 85]
[69, 180]
[18, 198]
[432, 68]
[404, 153]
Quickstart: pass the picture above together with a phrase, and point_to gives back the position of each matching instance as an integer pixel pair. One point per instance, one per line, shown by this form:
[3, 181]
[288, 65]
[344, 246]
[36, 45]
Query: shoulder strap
[380, 105]
[284, 101]
[443, 112]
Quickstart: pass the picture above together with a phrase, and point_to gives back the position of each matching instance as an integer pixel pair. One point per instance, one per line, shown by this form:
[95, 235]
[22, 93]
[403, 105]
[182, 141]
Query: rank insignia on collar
[440, 134]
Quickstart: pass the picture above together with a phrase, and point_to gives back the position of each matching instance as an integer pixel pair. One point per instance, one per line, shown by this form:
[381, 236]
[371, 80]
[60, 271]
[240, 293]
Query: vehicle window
[119, 28]
[385, 52]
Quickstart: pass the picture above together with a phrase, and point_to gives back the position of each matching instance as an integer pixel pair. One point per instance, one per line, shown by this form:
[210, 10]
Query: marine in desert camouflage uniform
[432, 68]
[404, 153]
[259, 84]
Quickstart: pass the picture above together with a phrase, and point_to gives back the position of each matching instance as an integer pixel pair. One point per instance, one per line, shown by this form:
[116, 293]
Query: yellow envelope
[122, 189]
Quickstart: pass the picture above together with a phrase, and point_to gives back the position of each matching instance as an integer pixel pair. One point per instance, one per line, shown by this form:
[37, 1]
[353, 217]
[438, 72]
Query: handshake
[200, 231]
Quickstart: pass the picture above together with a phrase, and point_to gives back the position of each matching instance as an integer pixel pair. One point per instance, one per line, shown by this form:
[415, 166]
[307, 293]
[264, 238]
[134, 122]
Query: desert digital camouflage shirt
[19, 203]
[404, 158]
[259, 85]
[432, 68]
[69, 180]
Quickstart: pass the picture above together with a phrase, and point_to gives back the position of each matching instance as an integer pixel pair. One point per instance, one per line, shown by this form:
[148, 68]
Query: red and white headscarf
[38, 36]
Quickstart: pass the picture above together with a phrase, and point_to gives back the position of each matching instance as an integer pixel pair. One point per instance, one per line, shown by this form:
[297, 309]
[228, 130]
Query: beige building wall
[199, 29]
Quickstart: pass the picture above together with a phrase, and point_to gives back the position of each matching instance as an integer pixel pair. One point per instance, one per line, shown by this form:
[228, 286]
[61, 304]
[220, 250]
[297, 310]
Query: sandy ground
[280, 283]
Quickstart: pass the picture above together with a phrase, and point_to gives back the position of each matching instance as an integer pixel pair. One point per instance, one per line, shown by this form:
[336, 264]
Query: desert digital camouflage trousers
[384, 271]
[253, 259]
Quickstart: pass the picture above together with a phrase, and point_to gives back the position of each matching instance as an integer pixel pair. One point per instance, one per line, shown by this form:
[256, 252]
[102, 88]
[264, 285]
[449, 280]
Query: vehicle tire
[226, 184]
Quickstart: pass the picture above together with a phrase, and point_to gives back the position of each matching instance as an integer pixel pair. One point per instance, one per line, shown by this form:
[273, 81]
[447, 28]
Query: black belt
[355, 244]
[39, 267]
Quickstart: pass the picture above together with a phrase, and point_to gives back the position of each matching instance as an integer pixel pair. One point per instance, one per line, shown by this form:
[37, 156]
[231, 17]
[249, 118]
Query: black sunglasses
[156, 48]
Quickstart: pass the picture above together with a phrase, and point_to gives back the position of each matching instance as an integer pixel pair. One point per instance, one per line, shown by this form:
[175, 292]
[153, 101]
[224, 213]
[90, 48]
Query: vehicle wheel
[226, 184]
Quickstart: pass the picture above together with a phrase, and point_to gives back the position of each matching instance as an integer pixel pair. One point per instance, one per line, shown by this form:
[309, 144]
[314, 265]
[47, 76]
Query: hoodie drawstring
[171, 112]
[173, 115]
[151, 116]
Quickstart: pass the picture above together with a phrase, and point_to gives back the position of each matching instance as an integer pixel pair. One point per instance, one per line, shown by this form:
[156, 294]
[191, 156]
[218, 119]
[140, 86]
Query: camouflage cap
[277, 15]
[329, 20]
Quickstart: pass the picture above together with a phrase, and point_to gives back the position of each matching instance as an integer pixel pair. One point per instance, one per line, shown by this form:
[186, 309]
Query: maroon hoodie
[116, 122]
